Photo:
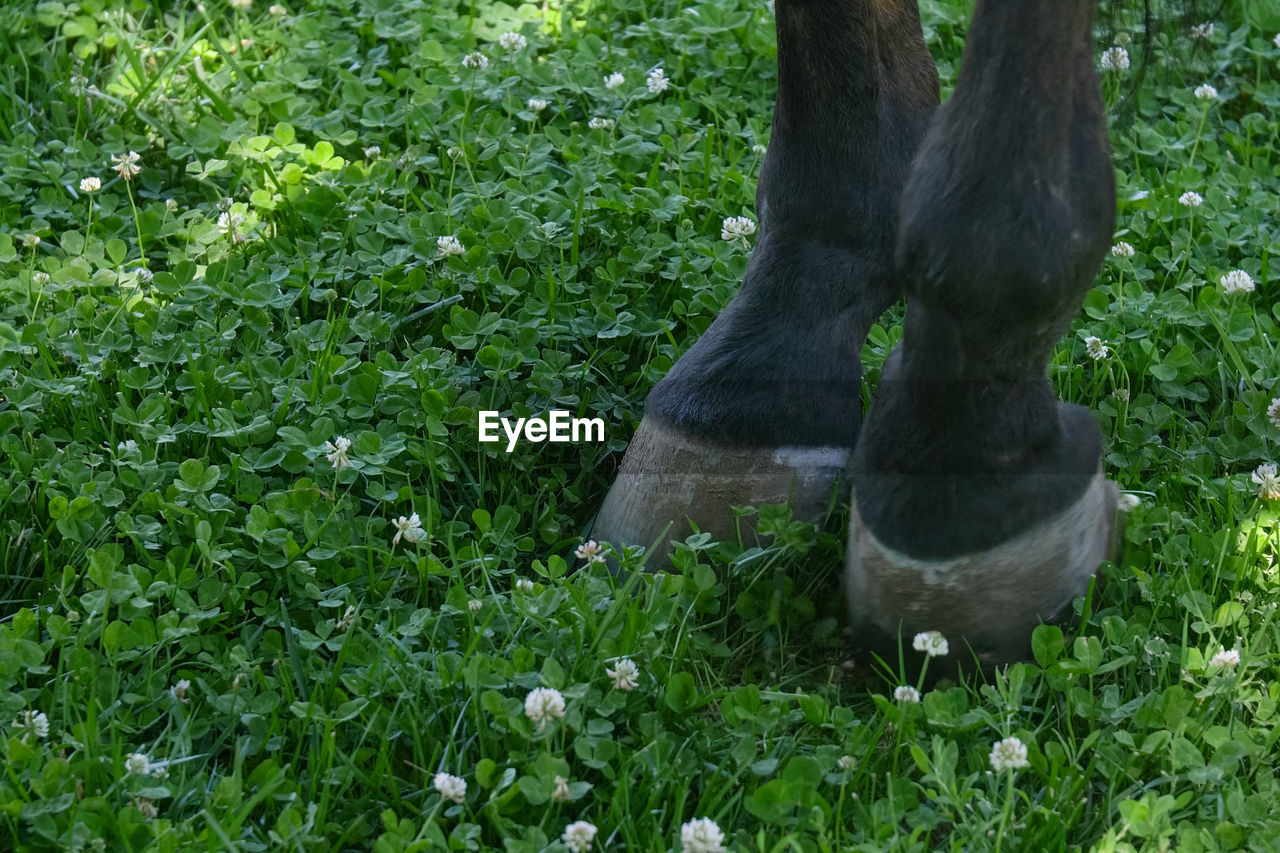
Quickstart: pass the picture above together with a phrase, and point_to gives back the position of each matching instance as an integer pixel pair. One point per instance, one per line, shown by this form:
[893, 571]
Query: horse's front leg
[981, 507]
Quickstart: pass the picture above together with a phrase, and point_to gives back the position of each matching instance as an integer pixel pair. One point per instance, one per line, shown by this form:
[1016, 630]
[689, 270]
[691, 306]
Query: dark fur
[1007, 215]
[781, 364]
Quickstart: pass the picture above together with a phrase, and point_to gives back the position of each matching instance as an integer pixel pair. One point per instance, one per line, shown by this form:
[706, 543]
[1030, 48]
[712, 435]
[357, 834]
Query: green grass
[188, 578]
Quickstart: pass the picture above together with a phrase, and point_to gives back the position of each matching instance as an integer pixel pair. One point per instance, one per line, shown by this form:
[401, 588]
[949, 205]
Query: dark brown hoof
[668, 480]
[989, 600]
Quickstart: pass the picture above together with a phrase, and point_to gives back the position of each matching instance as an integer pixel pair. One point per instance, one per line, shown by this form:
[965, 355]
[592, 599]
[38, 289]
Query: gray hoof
[668, 480]
[990, 600]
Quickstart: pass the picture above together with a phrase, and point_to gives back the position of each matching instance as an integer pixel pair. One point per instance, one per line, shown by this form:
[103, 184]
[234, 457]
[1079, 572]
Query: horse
[979, 506]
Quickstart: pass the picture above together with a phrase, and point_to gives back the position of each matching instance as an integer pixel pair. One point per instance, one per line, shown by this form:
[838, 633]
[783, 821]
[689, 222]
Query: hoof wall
[989, 600]
[668, 479]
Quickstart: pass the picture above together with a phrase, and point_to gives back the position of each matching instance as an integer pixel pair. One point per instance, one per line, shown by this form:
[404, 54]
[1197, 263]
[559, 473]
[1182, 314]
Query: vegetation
[222, 627]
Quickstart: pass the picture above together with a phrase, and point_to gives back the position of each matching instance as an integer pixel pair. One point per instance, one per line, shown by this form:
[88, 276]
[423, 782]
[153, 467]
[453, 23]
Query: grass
[210, 640]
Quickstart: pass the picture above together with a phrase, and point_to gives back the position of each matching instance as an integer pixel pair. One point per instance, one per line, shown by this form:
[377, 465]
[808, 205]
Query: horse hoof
[669, 480]
[990, 600]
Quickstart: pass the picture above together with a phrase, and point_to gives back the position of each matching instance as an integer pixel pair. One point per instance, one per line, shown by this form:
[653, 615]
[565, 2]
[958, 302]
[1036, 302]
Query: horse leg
[981, 507]
[765, 406]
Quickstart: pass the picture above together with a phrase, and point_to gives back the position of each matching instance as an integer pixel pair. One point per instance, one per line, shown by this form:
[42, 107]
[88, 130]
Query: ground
[265, 588]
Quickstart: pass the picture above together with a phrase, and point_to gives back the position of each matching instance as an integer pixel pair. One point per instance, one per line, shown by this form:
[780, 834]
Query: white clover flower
[90, 184]
[146, 808]
[450, 787]
[614, 80]
[600, 123]
[231, 224]
[562, 794]
[590, 551]
[1205, 92]
[1115, 59]
[1268, 483]
[126, 165]
[144, 275]
[136, 762]
[128, 446]
[372, 152]
[474, 605]
[524, 585]
[171, 204]
[847, 763]
[1273, 412]
[35, 722]
[454, 152]
[1276, 41]
[657, 81]
[475, 61]
[1190, 198]
[448, 245]
[1237, 281]
[625, 674]
[1127, 502]
[336, 452]
[1226, 658]
[1202, 31]
[348, 617]
[1095, 348]
[536, 104]
[277, 9]
[31, 240]
[702, 835]
[1009, 754]
[932, 643]
[1122, 250]
[579, 836]
[1121, 394]
[241, 4]
[906, 693]
[542, 704]
[409, 528]
[758, 149]
[179, 690]
[736, 229]
[510, 41]
[41, 278]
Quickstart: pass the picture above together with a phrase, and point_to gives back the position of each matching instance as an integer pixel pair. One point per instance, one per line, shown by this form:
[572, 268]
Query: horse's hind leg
[765, 406]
